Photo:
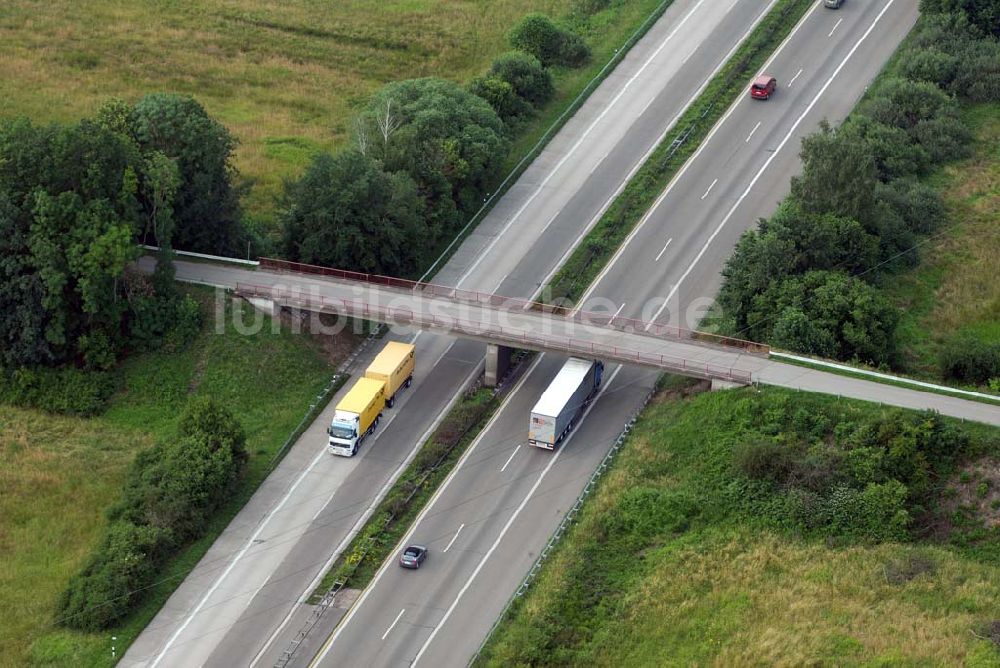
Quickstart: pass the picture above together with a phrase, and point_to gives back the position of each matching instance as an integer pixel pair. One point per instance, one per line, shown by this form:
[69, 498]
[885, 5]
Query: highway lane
[239, 604]
[438, 616]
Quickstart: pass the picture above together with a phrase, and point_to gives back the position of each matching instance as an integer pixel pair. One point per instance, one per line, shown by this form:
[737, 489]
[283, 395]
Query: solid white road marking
[628, 177]
[664, 250]
[452, 541]
[500, 282]
[366, 514]
[394, 622]
[753, 131]
[794, 78]
[710, 188]
[579, 142]
[767, 163]
[506, 527]
[835, 26]
[504, 467]
[683, 170]
[423, 513]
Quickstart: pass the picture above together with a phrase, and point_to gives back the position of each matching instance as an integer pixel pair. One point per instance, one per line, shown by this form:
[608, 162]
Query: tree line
[75, 200]
[425, 154]
[808, 278]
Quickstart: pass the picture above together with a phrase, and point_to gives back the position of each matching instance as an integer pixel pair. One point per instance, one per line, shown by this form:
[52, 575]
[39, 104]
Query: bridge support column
[497, 363]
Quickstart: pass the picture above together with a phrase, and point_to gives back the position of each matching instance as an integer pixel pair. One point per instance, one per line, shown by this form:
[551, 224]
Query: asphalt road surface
[240, 606]
[496, 511]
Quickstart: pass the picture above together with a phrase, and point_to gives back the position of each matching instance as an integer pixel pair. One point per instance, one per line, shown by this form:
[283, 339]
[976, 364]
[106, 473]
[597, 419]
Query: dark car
[763, 87]
[413, 556]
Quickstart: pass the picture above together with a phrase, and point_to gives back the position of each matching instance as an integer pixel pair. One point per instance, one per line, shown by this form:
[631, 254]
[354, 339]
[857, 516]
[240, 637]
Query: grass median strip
[411, 492]
[593, 253]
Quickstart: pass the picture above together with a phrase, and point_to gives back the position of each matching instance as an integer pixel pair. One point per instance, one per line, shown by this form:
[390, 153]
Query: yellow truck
[356, 416]
[394, 367]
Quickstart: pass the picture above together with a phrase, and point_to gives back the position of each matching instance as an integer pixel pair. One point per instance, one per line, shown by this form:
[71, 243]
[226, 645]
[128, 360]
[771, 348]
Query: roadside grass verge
[670, 564]
[600, 244]
[394, 515]
[60, 474]
[954, 289]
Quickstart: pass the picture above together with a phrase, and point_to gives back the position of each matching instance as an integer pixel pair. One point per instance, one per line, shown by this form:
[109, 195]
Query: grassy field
[285, 78]
[57, 475]
[955, 289]
[668, 564]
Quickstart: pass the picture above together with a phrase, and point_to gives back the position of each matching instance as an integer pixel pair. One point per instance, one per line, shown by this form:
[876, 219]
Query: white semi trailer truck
[563, 401]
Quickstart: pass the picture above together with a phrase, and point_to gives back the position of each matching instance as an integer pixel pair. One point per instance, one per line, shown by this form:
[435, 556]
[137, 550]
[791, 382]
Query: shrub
[510, 107]
[538, 35]
[877, 513]
[588, 7]
[170, 494]
[918, 204]
[63, 390]
[900, 571]
[526, 75]
[114, 579]
[970, 359]
[765, 460]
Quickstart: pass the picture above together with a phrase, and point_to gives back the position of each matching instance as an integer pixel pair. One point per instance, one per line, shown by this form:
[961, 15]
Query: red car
[763, 87]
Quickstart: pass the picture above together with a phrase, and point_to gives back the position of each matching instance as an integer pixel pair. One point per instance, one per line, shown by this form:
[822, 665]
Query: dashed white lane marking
[835, 26]
[453, 538]
[504, 467]
[394, 622]
[663, 250]
[710, 188]
[794, 78]
[753, 131]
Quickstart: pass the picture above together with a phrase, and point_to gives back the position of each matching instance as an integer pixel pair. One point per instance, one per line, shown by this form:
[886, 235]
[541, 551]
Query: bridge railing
[510, 336]
[627, 325]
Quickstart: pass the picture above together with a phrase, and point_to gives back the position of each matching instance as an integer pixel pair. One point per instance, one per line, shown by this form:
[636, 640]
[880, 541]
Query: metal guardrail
[517, 304]
[564, 524]
[501, 334]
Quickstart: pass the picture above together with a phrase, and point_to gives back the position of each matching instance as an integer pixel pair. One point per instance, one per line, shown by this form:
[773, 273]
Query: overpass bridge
[503, 323]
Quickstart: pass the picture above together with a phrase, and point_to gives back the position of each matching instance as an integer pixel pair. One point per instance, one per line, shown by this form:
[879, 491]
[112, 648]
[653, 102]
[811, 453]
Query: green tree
[346, 212]
[791, 242]
[538, 35]
[838, 176]
[449, 141]
[510, 107]
[526, 74]
[858, 320]
[985, 14]
[206, 211]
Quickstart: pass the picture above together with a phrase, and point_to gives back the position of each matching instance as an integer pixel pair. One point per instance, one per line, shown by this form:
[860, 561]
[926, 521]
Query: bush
[918, 205]
[114, 579]
[588, 7]
[877, 513]
[170, 494]
[63, 390]
[970, 359]
[765, 460]
[510, 107]
[526, 75]
[538, 35]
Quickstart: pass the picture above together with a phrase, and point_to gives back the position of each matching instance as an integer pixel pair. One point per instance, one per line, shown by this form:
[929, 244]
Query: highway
[240, 604]
[497, 509]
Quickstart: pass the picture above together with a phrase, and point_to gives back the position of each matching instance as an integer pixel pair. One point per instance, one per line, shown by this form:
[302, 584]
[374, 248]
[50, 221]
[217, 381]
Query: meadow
[954, 289]
[59, 474]
[285, 78]
[677, 560]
